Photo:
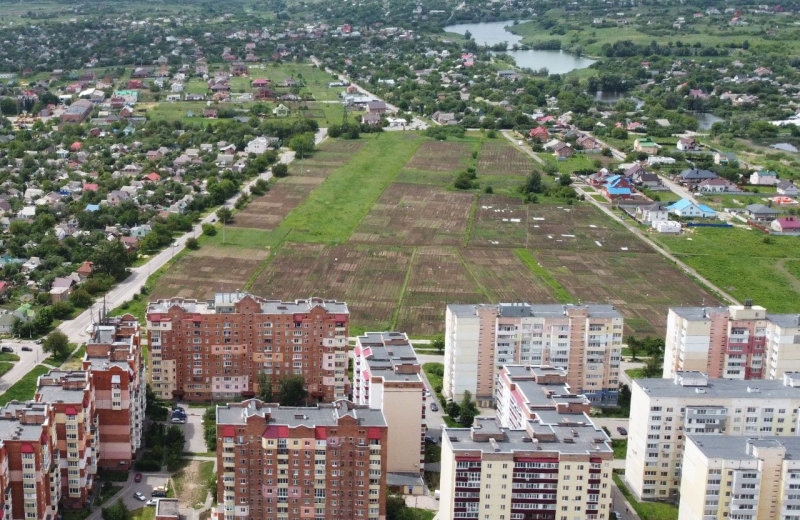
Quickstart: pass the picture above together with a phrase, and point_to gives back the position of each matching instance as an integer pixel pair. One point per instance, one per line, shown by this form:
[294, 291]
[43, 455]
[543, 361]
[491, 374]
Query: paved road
[507, 135]
[27, 360]
[125, 290]
[621, 505]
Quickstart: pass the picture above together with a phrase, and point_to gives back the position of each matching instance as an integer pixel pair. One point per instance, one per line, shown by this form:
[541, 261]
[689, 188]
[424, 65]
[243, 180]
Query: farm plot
[407, 214]
[269, 210]
[369, 278]
[502, 158]
[208, 270]
[440, 156]
[643, 286]
[505, 277]
[438, 277]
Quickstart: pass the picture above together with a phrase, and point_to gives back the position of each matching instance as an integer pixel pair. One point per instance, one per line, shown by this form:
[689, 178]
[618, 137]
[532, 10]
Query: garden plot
[501, 157]
[407, 214]
[440, 156]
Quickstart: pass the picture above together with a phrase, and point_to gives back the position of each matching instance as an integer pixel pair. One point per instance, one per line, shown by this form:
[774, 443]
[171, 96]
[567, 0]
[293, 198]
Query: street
[621, 506]
[27, 360]
[76, 329]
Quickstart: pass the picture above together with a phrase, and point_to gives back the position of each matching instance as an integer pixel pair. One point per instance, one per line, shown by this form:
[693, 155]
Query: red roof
[27, 448]
[76, 145]
[228, 431]
[321, 433]
[374, 433]
[91, 186]
[70, 410]
[153, 177]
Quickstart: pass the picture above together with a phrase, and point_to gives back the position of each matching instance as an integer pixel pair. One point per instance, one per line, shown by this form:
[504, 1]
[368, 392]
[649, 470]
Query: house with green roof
[646, 145]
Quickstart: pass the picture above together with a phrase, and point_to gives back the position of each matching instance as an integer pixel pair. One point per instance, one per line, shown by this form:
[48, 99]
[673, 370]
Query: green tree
[193, 244]
[534, 183]
[110, 258]
[224, 215]
[453, 410]
[209, 230]
[80, 298]
[302, 144]
[280, 170]
[292, 391]
[438, 343]
[653, 368]
[469, 410]
[57, 344]
[265, 387]
[564, 179]
[210, 428]
[119, 511]
[634, 345]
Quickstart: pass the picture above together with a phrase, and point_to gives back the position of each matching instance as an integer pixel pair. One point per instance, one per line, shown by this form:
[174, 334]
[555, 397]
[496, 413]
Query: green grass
[435, 380]
[76, 361]
[6, 356]
[561, 293]
[620, 447]
[106, 492]
[333, 210]
[635, 373]
[25, 388]
[143, 513]
[5, 367]
[421, 514]
[647, 510]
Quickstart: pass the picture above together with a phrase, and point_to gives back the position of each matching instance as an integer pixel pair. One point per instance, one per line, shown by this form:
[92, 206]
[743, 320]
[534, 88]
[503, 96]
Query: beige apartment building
[736, 342]
[386, 377]
[585, 340]
[741, 478]
[664, 411]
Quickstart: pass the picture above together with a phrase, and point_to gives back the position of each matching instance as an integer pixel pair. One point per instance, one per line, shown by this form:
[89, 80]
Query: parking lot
[193, 430]
[145, 487]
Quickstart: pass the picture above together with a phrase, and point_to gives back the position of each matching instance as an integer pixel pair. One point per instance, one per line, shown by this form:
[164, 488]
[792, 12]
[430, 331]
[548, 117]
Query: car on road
[622, 431]
[434, 407]
[151, 502]
[26, 349]
[178, 420]
[159, 492]
[137, 477]
[139, 496]
[39, 341]
[6, 349]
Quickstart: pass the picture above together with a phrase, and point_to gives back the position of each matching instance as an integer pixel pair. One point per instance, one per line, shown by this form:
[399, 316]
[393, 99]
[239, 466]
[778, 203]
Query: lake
[492, 33]
[705, 120]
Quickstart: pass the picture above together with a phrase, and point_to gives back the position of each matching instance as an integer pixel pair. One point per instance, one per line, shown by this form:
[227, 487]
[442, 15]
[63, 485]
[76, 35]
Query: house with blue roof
[685, 208]
[617, 187]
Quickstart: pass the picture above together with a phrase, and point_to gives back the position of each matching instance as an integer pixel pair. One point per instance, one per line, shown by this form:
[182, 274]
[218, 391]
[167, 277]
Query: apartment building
[736, 342]
[114, 357]
[663, 411]
[31, 466]
[740, 478]
[584, 340]
[386, 377]
[71, 395]
[214, 350]
[322, 463]
[556, 471]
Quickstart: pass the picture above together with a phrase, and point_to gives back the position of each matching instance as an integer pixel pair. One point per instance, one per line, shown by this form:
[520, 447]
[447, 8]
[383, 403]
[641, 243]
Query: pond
[492, 33]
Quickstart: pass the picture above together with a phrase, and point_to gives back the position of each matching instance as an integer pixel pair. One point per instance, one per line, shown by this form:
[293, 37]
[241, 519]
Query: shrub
[209, 230]
[193, 244]
[280, 170]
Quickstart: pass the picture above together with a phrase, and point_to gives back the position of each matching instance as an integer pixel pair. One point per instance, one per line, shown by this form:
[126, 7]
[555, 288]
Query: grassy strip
[561, 294]
[396, 313]
[5, 366]
[25, 388]
[76, 361]
[143, 513]
[635, 373]
[620, 447]
[5, 356]
[350, 191]
[647, 510]
[473, 210]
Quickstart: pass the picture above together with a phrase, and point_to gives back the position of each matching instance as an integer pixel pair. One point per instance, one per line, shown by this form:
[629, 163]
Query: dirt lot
[408, 214]
[190, 488]
[208, 270]
[499, 157]
[269, 210]
[440, 156]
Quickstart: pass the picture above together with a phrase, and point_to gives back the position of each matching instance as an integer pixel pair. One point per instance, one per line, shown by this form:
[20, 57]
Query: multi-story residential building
[27, 433]
[215, 350]
[556, 471]
[740, 478]
[736, 342]
[71, 394]
[114, 357]
[585, 340]
[386, 377]
[322, 463]
[663, 411]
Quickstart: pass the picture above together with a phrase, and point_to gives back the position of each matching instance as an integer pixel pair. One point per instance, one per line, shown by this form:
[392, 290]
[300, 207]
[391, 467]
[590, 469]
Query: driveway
[612, 423]
[193, 430]
[27, 360]
[145, 487]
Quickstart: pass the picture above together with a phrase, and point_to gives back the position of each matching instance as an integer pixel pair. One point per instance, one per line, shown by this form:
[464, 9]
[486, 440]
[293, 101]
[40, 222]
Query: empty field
[210, 269]
[407, 214]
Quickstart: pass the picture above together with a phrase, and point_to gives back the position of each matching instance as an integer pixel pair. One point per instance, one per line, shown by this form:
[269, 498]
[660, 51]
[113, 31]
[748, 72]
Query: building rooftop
[13, 428]
[389, 355]
[167, 507]
[226, 302]
[696, 384]
[784, 320]
[740, 448]
[321, 415]
[697, 313]
[526, 310]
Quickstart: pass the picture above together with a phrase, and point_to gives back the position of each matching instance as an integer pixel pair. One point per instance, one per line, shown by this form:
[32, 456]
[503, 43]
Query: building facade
[741, 478]
[663, 411]
[214, 350]
[114, 357]
[31, 463]
[585, 340]
[543, 472]
[736, 342]
[386, 377]
[321, 463]
[71, 395]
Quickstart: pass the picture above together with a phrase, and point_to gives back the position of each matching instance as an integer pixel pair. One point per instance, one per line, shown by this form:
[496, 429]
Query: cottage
[652, 213]
[539, 133]
[785, 225]
[761, 212]
[85, 270]
[280, 111]
[376, 107]
[152, 177]
[694, 176]
[718, 185]
[371, 119]
[787, 188]
[764, 178]
[688, 144]
[667, 226]
[61, 289]
[588, 143]
[563, 151]
[646, 145]
[617, 187]
[685, 208]
[141, 231]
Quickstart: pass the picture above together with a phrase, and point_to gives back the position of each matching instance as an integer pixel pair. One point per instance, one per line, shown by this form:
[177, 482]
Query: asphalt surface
[27, 360]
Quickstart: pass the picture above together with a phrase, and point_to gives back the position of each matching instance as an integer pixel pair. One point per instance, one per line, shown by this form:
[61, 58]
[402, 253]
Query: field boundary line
[263, 265]
[473, 210]
[403, 288]
[561, 293]
[472, 275]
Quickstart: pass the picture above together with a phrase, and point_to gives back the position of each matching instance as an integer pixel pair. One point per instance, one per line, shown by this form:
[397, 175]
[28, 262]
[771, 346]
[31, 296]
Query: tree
[57, 344]
[292, 391]
[302, 144]
[110, 258]
[438, 343]
[653, 368]
[634, 345]
[264, 387]
[280, 170]
[81, 298]
[224, 215]
[534, 183]
[453, 410]
[209, 230]
[119, 511]
[564, 179]
[469, 410]
[193, 244]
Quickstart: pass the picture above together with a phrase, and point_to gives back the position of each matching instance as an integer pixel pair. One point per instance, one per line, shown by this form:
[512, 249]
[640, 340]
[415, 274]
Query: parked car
[139, 496]
[178, 420]
[137, 477]
[622, 431]
[151, 502]
[434, 407]
[39, 341]
[26, 349]
[159, 492]
[6, 349]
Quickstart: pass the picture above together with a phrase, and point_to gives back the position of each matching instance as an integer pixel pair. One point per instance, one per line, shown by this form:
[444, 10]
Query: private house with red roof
[91, 186]
[539, 133]
[152, 177]
[260, 82]
[786, 225]
[76, 146]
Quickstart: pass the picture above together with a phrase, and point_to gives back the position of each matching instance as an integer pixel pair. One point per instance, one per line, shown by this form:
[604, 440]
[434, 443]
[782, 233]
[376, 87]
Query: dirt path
[781, 268]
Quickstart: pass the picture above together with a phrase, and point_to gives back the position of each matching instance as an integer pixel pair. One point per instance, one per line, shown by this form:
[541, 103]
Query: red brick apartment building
[29, 470]
[114, 356]
[321, 463]
[71, 394]
[214, 350]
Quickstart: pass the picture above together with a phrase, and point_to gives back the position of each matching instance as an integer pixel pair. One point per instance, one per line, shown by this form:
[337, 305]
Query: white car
[139, 496]
[151, 502]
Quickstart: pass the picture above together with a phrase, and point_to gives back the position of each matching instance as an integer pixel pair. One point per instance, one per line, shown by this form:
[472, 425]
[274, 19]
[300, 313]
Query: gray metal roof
[227, 301]
[526, 310]
[728, 447]
[322, 415]
[716, 388]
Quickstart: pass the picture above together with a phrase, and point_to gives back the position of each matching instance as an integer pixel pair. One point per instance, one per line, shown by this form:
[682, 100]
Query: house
[376, 107]
[152, 177]
[507, 74]
[588, 143]
[210, 113]
[723, 158]
[141, 231]
[260, 82]
[761, 212]
[563, 151]
[646, 145]
[635, 171]
[31, 264]
[257, 146]
[648, 180]
[61, 288]
[371, 119]
[85, 270]
[280, 111]
[117, 196]
[785, 225]
[130, 243]
[617, 187]
[599, 178]
[688, 144]
[539, 133]
[718, 185]
[787, 188]
[444, 118]
[685, 208]
[652, 213]
[694, 176]
[764, 178]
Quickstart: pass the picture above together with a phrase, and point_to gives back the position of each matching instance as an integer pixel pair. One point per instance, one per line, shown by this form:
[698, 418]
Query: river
[492, 33]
